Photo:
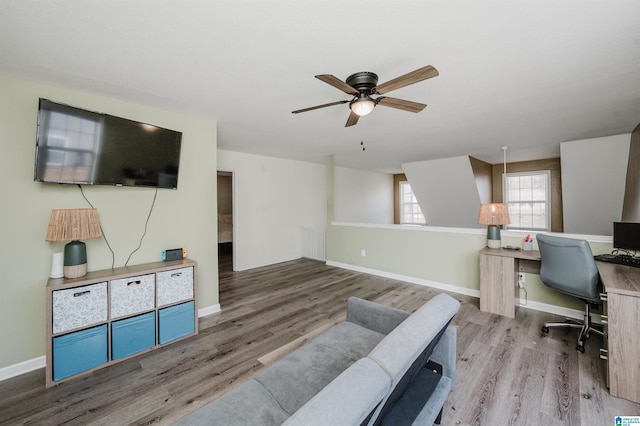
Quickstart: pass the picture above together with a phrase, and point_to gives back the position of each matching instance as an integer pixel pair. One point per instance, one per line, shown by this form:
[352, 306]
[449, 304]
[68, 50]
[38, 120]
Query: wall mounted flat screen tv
[77, 146]
[626, 235]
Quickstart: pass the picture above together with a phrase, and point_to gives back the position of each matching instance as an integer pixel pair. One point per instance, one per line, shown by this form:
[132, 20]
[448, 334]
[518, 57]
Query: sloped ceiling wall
[631, 206]
[593, 182]
[446, 191]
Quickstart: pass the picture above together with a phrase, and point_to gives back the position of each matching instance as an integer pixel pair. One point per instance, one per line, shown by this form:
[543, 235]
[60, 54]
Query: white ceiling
[525, 74]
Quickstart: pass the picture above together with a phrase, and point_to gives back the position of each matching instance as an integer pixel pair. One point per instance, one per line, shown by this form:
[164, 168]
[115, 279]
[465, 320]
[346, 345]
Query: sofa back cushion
[349, 400]
[404, 351]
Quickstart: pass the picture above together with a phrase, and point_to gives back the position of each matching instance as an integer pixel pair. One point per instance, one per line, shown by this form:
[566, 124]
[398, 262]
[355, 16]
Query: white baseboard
[41, 361]
[555, 309]
[208, 310]
[412, 280]
[22, 367]
[537, 306]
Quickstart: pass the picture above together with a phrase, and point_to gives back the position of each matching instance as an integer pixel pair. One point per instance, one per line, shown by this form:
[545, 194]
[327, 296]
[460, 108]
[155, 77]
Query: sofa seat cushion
[232, 409]
[296, 378]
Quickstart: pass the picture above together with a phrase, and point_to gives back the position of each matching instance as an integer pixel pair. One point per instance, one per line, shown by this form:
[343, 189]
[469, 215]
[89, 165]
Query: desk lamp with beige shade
[494, 215]
[74, 225]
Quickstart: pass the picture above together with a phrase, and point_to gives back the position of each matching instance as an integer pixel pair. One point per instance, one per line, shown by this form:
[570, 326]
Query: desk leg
[497, 285]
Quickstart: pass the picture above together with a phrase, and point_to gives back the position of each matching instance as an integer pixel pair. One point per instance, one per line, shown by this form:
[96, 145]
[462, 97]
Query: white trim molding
[22, 368]
[412, 280]
[208, 310]
[41, 361]
[520, 303]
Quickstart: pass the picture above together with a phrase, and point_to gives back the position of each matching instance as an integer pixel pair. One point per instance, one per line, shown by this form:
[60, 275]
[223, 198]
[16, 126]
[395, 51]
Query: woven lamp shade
[494, 214]
[73, 224]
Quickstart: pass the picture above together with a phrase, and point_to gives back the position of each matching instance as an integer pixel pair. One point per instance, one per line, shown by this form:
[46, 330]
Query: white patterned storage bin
[175, 286]
[132, 295]
[79, 307]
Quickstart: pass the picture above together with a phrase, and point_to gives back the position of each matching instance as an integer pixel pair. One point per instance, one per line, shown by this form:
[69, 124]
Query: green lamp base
[75, 259]
[493, 237]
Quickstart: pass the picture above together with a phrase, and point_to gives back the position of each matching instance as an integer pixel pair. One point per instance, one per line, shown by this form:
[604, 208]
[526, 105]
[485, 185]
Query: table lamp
[74, 225]
[494, 215]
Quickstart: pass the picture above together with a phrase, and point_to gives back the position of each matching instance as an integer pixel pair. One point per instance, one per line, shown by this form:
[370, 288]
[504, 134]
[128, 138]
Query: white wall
[273, 198]
[181, 218]
[593, 180]
[362, 196]
[446, 191]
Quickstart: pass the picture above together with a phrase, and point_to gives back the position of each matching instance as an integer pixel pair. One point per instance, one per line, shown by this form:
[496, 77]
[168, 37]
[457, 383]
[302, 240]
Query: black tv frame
[117, 152]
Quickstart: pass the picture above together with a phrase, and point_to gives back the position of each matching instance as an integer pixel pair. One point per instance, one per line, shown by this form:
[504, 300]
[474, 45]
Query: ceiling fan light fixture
[362, 85]
[362, 106]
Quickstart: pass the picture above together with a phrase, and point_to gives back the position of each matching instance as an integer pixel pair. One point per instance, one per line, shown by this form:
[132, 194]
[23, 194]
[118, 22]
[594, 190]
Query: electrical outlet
[363, 253]
[521, 279]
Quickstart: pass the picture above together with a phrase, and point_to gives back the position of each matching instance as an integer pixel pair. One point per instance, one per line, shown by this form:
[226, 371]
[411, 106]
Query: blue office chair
[567, 265]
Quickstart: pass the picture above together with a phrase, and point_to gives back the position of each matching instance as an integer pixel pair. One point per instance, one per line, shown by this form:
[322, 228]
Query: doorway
[225, 221]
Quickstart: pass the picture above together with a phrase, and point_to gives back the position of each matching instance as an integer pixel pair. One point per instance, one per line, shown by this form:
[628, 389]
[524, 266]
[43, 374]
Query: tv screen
[626, 235]
[77, 146]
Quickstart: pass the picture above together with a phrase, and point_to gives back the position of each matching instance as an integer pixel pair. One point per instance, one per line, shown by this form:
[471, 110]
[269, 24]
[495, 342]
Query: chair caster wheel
[580, 348]
[545, 329]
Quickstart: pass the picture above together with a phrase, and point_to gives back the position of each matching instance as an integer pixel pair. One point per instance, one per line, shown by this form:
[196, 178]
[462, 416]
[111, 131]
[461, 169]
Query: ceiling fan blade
[337, 83]
[407, 79]
[352, 120]
[318, 106]
[400, 104]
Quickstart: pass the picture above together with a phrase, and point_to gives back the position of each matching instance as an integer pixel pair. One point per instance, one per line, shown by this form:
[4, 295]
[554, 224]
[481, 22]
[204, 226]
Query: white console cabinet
[111, 315]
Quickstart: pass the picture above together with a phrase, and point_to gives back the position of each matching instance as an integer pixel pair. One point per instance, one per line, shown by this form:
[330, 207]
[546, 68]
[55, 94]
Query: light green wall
[441, 255]
[444, 257]
[183, 217]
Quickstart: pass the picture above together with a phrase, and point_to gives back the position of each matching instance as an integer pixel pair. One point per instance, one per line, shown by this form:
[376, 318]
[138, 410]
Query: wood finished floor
[509, 373]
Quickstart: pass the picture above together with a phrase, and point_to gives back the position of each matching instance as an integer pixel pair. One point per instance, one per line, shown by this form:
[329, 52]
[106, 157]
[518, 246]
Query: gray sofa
[380, 366]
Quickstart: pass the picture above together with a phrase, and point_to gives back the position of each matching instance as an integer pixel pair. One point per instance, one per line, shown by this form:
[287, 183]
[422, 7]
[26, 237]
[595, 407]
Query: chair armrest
[445, 352]
[374, 316]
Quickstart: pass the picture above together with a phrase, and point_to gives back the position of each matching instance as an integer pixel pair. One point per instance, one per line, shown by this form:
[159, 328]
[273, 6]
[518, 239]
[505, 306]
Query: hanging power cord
[525, 297]
[113, 256]
[145, 227]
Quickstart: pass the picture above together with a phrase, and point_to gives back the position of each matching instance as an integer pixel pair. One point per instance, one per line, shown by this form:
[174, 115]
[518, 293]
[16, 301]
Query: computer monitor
[626, 235]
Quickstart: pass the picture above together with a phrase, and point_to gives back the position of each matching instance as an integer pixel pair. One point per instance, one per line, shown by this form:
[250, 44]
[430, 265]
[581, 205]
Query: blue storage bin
[133, 335]
[76, 352]
[176, 321]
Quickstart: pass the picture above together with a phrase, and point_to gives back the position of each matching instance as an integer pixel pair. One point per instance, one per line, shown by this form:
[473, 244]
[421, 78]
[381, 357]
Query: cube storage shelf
[112, 315]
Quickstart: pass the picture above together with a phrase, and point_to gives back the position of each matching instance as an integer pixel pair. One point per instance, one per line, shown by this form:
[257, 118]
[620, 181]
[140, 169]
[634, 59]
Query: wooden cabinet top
[115, 273]
[518, 254]
[620, 279]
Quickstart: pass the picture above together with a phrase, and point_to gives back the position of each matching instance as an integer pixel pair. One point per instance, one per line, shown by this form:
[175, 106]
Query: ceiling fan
[363, 85]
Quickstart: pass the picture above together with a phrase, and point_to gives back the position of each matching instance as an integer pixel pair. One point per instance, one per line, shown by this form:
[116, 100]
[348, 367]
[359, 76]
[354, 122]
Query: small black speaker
[172, 254]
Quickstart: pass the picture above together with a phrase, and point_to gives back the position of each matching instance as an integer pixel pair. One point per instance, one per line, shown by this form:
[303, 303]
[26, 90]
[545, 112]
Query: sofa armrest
[444, 353]
[374, 316]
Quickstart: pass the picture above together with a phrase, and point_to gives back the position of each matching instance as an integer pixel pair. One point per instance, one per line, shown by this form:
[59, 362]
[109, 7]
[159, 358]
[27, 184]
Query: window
[527, 195]
[410, 212]
[70, 147]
